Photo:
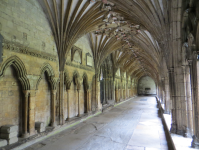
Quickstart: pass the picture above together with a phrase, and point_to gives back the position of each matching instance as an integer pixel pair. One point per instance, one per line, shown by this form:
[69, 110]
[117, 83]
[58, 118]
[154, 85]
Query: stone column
[189, 103]
[173, 110]
[184, 103]
[87, 101]
[53, 124]
[195, 74]
[97, 92]
[106, 90]
[179, 98]
[31, 122]
[113, 91]
[68, 104]
[192, 92]
[26, 95]
[78, 97]
[167, 96]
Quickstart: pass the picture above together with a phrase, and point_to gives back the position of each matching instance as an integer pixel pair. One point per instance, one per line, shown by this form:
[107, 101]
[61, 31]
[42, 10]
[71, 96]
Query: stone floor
[133, 125]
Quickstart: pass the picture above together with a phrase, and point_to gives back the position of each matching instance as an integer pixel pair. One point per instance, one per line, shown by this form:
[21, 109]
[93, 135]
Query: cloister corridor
[132, 125]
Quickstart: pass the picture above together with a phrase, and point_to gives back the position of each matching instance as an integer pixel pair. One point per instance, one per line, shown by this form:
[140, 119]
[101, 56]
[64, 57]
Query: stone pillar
[189, 103]
[53, 124]
[31, 122]
[26, 95]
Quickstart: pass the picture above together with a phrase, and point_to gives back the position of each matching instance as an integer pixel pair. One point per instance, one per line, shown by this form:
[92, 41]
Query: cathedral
[79, 70]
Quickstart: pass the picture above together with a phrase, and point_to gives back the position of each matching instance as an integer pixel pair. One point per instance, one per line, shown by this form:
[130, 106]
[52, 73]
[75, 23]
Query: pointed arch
[49, 70]
[20, 68]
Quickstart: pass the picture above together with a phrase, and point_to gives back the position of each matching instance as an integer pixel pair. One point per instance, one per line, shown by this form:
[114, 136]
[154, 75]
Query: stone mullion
[189, 103]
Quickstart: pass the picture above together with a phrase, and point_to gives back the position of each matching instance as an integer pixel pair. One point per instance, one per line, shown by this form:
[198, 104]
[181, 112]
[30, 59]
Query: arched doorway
[11, 108]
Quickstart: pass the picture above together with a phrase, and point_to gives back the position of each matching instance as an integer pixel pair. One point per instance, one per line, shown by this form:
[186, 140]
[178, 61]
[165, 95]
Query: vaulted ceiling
[134, 32]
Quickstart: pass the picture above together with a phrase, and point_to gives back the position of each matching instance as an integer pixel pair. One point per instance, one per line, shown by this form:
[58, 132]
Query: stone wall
[25, 23]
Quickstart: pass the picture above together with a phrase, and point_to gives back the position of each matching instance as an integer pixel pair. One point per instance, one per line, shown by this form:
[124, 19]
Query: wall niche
[76, 55]
[89, 60]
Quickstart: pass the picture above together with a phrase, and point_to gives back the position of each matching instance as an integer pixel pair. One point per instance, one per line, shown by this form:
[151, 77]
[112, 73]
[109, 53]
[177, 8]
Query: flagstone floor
[133, 125]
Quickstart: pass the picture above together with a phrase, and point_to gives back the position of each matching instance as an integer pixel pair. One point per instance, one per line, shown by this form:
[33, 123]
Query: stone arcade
[65, 60]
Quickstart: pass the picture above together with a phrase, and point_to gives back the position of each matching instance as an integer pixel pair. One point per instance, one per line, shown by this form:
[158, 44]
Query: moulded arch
[48, 68]
[20, 68]
[76, 77]
[67, 79]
